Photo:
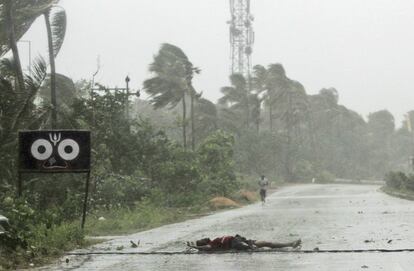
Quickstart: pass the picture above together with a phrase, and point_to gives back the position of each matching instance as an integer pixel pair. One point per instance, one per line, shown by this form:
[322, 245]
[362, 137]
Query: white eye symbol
[41, 149]
[68, 149]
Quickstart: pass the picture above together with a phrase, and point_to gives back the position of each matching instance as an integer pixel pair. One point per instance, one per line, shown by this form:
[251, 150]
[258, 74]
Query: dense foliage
[400, 181]
[266, 124]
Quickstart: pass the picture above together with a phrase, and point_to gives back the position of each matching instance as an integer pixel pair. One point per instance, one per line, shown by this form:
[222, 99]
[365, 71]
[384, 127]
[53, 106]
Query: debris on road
[133, 244]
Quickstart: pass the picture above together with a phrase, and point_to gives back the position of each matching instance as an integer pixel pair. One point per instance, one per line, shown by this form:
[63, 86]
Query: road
[328, 217]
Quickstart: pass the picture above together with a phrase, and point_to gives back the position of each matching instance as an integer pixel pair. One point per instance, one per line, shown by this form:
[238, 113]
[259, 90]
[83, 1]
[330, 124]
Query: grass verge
[398, 193]
[140, 218]
[50, 244]
[45, 246]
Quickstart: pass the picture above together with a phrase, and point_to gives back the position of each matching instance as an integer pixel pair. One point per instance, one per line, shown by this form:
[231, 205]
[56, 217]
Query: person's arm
[201, 248]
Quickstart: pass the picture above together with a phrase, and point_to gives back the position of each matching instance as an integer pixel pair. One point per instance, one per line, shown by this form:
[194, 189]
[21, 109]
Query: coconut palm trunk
[184, 123]
[270, 118]
[192, 122]
[52, 69]
[13, 44]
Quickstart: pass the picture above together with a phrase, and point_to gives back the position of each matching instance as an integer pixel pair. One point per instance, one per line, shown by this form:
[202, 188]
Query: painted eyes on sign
[42, 149]
[68, 149]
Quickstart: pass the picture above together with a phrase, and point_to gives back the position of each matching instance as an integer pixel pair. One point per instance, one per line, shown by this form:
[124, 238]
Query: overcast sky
[365, 49]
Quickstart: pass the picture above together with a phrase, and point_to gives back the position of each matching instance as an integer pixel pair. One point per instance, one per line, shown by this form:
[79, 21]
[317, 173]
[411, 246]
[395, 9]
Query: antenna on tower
[241, 37]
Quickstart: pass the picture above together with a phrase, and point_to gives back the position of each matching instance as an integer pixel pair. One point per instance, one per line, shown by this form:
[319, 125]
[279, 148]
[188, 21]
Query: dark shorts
[263, 193]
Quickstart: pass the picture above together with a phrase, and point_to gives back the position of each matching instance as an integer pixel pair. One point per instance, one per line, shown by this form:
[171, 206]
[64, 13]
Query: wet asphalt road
[329, 217]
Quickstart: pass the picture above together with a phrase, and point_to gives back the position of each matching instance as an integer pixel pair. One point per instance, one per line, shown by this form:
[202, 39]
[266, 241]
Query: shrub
[217, 164]
[325, 177]
[396, 180]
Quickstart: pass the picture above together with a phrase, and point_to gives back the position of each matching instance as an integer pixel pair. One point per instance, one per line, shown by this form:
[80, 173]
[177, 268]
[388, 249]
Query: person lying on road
[237, 242]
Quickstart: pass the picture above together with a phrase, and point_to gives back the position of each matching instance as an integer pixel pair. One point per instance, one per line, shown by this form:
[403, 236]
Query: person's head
[203, 242]
[240, 238]
[263, 176]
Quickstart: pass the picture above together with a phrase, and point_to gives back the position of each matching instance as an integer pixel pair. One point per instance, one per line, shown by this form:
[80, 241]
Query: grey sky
[364, 48]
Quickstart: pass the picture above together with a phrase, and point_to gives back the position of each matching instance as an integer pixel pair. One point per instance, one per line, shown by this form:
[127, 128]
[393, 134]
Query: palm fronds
[58, 24]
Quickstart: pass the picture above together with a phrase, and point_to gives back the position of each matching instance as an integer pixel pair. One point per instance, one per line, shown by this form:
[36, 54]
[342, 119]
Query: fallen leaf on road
[369, 241]
[389, 241]
[364, 266]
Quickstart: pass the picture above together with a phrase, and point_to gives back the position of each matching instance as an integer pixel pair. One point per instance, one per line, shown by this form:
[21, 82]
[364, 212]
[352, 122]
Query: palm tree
[292, 110]
[25, 13]
[56, 29]
[172, 81]
[255, 102]
[194, 96]
[207, 118]
[18, 16]
[236, 97]
[277, 85]
[12, 39]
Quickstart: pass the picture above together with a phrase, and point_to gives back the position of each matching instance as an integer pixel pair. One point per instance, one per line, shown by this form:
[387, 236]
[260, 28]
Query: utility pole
[127, 79]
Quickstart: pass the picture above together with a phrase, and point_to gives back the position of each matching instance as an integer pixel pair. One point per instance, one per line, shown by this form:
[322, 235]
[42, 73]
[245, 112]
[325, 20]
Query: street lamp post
[125, 91]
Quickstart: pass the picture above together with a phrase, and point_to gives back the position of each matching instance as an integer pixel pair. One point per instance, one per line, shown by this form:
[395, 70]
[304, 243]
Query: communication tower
[241, 37]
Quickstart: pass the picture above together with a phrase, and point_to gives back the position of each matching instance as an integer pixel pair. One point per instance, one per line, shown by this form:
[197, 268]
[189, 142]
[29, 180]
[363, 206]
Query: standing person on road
[264, 184]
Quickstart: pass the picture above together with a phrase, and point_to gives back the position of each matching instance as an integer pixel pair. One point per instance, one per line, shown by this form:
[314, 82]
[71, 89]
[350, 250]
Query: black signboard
[53, 151]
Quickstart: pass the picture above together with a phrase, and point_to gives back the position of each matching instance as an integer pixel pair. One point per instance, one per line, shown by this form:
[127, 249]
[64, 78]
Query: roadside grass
[147, 215]
[143, 217]
[45, 246]
[399, 193]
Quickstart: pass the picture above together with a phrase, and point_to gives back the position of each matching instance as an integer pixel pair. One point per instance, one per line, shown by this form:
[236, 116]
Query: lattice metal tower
[241, 37]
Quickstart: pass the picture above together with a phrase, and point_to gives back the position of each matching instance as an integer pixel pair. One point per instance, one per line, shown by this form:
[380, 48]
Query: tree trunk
[288, 159]
[192, 122]
[13, 44]
[184, 123]
[9, 18]
[52, 69]
[271, 117]
[247, 114]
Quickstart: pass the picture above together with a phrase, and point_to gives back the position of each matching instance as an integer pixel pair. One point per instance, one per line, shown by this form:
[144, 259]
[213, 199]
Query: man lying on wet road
[237, 242]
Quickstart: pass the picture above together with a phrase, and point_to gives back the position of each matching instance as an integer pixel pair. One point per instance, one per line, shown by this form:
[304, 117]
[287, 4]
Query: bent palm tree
[56, 29]
[25, 13]
[236, 97]
[172, 81]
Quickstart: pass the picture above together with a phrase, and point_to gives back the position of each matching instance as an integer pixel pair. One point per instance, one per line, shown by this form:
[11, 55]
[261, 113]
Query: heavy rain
[206, 135]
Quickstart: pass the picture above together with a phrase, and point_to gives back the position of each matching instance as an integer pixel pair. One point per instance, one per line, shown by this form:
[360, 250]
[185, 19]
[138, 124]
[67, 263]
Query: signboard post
[55, 151]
